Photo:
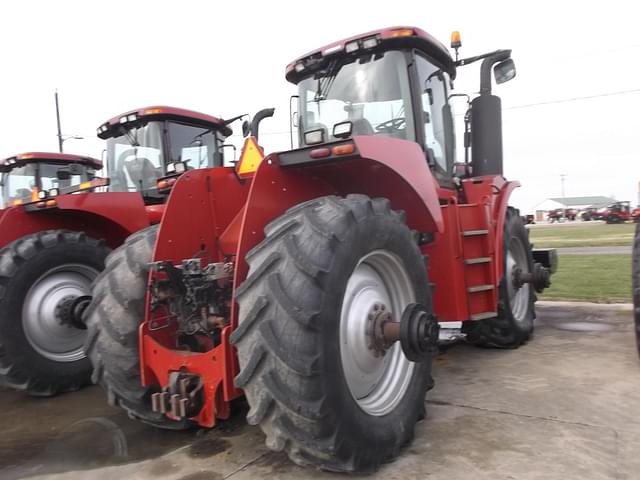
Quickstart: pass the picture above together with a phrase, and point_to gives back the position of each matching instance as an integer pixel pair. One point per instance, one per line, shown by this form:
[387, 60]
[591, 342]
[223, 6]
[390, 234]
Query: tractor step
[475, 261]
[480, 288]
[474, 233]
[483, 315]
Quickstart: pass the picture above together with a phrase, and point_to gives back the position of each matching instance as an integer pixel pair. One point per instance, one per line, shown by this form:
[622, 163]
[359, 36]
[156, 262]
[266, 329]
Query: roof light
[152, 111]
[299, 67]
[313, 137]
[12, 161]
[123, 119]
[132, 117]
[456, 42]
[351, 46]
[402, 32]
[334, 49]
[24, 156]
[370, 42]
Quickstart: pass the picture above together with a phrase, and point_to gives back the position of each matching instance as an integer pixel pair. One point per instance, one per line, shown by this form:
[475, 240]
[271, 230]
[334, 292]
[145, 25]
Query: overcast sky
[227, 58]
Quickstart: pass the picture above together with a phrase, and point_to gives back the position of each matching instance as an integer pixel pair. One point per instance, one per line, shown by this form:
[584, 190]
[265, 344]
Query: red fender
[500, 215]
[108, 216]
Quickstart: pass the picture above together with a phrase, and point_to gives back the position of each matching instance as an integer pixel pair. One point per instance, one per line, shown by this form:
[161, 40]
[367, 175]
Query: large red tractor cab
[315, 286]
[58, 225]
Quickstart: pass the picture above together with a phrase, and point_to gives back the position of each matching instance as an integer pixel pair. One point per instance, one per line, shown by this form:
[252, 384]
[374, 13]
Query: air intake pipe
[486, 121]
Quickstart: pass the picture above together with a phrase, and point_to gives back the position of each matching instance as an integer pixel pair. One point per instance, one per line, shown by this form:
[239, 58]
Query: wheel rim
[42, 327]
[517, 259]
[377, 384]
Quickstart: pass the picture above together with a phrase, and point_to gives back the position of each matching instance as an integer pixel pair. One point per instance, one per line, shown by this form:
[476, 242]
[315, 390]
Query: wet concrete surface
[564, 406]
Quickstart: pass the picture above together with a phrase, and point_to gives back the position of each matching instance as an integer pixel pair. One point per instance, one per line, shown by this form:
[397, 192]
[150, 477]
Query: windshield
[21, 182]
[372, 92]
[134, 160]
[137, 159]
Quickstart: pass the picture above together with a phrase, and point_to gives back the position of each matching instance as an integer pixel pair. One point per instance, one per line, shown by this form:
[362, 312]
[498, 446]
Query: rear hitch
[417, 331]
[182, 398]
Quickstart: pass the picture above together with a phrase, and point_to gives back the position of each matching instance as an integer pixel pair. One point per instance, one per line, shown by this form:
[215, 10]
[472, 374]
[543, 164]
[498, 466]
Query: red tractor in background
[618, 212]
[56, 230]
[315, 287]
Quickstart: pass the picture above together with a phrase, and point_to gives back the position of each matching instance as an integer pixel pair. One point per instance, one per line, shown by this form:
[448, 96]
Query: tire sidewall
[515, 228]
[376, 432]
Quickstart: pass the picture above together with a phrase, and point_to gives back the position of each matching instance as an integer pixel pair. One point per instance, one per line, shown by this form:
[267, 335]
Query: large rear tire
[514, 324]
[636, 284]
[113, 318]
[39, 353]
[310, 377]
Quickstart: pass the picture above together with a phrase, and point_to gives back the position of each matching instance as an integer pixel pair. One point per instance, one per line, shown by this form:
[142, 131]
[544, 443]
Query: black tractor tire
[113, 318]
[514, 324]
[38, 354]
[289, 342]
[635, 272]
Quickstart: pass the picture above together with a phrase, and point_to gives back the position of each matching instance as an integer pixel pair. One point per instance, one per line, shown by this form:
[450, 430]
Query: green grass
[591, 278]
[587, 234]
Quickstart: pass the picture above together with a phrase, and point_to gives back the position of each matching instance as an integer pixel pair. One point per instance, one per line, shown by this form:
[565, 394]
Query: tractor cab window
[18, 184]
[372, 92]
[436, 115]
[56, 175]
[135, 160]
[195, 145]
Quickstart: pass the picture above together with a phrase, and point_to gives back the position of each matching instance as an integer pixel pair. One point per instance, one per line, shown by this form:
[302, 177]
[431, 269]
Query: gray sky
[227, 58]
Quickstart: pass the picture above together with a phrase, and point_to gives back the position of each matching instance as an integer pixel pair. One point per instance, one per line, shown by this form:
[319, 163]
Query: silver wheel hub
[376, 382]
[517, 265]
[41, 322]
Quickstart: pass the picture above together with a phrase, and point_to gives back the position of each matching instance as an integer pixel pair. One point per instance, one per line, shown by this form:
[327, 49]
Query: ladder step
[474, 261]
[483, 315]
[474, 233]
[480, 288]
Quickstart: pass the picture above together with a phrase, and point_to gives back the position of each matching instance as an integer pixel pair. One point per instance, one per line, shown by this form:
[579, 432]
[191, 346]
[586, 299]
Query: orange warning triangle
[250, 158]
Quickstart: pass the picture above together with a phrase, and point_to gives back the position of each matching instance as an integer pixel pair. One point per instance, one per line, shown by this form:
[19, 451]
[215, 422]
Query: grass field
[591, 278]
[581, 234]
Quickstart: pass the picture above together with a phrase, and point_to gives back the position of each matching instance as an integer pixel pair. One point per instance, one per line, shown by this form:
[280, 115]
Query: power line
[573, 99]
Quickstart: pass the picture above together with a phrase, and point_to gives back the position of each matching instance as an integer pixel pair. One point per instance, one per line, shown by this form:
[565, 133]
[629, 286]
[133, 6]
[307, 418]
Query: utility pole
[58, 118]
[562, 177]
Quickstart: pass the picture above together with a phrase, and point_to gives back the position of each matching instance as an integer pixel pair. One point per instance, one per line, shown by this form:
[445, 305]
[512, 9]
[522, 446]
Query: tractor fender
[379, 167]
[108, 216]
[499, 217]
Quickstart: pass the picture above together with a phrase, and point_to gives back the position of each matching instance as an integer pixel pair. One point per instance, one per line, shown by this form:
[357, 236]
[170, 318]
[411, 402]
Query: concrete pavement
[564, 406]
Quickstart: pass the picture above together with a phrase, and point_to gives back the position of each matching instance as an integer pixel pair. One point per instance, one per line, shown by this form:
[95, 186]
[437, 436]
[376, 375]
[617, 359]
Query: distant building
[578, 203]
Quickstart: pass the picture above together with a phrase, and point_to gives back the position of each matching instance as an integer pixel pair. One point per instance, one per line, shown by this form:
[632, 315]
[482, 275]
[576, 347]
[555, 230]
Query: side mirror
[63, 174]
[246, 128]
[504, 71]
[75, 169]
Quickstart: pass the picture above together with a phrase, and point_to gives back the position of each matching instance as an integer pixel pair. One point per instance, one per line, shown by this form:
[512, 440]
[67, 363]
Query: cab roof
[387, 39]
[34, 157]
[162, 112]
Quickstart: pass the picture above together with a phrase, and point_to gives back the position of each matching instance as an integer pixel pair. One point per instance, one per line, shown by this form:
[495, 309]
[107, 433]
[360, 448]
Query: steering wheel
[390, 126]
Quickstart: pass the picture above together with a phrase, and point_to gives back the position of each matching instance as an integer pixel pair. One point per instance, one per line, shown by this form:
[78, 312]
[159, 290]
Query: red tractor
[635, 214]
[618, 212]
[56, 231]
[314, 287]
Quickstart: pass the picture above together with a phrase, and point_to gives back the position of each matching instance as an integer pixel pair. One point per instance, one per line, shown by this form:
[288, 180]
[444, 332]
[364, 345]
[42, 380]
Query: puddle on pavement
[583, 326]
[38, 442]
